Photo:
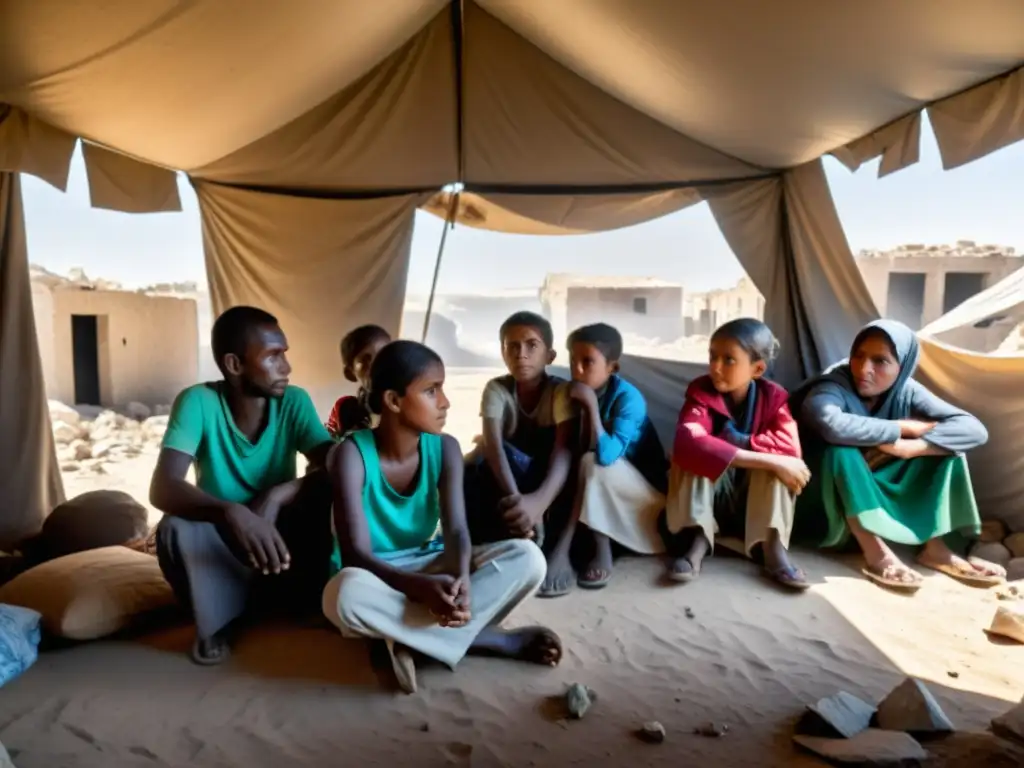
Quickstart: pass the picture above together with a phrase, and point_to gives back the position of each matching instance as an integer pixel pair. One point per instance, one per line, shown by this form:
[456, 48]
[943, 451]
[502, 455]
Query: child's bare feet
[560, 576]
[537, 645]
[599, 570]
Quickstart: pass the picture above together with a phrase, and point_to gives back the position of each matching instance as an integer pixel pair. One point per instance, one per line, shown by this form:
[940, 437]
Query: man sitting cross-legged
[248, 527]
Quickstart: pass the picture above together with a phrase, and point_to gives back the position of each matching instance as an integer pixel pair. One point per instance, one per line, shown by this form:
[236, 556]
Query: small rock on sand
[994, 552]
[992, 531]
[712, 730]
[1011, 724]
[840, 715]
[578, 699]
[1015, 543]
[652, 732]
[911, 708]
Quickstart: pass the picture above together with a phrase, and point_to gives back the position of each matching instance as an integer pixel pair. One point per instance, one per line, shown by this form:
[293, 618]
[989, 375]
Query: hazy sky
[981, 201]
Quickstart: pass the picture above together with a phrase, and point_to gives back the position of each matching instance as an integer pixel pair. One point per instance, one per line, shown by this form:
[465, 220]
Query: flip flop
[881, 580]
[975, 579]
[209, 661]
[593, 584]
[788, 576]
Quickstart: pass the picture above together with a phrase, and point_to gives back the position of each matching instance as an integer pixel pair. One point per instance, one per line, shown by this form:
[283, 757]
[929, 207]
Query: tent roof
[749, 84]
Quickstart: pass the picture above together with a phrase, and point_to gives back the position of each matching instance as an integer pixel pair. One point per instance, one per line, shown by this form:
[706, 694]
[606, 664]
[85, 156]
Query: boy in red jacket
[736, 462]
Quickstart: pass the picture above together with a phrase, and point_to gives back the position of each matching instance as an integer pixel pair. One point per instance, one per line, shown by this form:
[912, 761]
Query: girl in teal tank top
[401, 533]
[389, 480]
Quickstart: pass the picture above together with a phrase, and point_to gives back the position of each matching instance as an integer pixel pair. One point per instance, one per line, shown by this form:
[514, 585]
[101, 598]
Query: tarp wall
[321, 266]
[30, 484]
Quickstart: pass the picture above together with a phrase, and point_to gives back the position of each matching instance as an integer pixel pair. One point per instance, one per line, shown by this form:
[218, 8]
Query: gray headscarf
[895, 402]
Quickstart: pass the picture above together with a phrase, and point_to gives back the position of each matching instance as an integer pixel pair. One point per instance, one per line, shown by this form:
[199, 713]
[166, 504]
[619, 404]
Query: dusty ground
[728, 648]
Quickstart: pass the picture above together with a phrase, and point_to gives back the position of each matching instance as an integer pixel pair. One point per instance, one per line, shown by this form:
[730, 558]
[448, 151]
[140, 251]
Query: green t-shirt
[227, 465]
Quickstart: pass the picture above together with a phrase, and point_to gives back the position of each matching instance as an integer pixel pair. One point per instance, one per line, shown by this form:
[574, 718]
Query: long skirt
[905, 501]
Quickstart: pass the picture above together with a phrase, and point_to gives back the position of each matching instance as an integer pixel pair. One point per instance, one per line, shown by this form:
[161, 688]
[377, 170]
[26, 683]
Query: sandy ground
[750, 657]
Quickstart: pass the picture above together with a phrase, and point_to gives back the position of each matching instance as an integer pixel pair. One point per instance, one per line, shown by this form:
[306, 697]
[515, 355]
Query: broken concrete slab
[873, 747]
[1011, 724]
[911, 708]
[842, 715]
[976, 750]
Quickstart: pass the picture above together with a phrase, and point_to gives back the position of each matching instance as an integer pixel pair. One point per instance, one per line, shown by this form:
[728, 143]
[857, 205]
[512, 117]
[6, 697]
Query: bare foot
[891, 572]
[560, 576]
[938, 556]
[537, 645]
[599, 570]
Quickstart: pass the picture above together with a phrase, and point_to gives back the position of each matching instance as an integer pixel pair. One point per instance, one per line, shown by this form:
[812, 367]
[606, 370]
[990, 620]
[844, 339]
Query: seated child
[408, 574]
[622, 477]
[358, 348]
[736, 466]
[524, 459]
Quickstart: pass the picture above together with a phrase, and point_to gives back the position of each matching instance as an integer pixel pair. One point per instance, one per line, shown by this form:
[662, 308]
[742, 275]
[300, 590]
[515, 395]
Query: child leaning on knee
[736, 462]
[622, 472]
[523, 460]
[358, 349]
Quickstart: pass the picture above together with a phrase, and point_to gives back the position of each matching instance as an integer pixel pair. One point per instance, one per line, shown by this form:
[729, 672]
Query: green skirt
[905, 501]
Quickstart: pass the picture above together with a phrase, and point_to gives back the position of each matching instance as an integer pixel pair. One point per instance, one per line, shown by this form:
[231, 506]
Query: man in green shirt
[248, 526]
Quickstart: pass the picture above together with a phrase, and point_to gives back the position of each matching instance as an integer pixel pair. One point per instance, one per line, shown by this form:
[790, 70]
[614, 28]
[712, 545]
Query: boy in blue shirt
[623, 472]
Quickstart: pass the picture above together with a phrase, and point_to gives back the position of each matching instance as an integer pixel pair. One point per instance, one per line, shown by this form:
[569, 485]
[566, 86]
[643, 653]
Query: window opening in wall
[905, 298]
[640, 305]
[959, 287]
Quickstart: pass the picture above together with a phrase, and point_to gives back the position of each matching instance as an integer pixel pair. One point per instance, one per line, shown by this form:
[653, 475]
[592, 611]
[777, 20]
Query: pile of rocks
[998, 545]
[87, 438]
[845, 729]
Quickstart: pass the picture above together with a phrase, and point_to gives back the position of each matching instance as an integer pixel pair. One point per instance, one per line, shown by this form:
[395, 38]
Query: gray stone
[652, 732]
[976, 750]
[63, 414]
[993, 531]
[578, 699]
[64, 433]
[1015, 569]
[994, 552]
[1011, 724]
[841, 715]
[138, 411]
[872, 747]
[911, 708]
[1015, 543]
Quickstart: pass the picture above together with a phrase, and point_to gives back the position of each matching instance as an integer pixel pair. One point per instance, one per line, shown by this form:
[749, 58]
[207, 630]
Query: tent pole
[449, 223]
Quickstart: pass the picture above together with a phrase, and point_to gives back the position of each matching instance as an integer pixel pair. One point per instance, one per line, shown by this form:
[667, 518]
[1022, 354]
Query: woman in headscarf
[887, 463]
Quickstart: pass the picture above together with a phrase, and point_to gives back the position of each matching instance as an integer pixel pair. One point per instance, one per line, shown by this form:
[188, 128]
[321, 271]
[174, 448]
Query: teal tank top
[399, 523]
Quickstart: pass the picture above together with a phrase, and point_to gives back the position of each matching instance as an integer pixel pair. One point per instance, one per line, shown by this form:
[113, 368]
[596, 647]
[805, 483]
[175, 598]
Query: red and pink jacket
[697, 450]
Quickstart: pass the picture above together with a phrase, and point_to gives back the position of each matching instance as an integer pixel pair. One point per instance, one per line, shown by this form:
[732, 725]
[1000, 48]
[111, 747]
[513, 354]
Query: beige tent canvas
[312, 130]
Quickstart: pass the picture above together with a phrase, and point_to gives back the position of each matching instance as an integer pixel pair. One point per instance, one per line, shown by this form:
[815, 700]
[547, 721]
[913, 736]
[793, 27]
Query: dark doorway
[905, 299]
[960, 286]
[85, 356]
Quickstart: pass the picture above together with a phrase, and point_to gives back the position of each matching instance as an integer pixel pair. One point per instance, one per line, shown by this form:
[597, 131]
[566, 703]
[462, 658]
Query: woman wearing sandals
[888, 464]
